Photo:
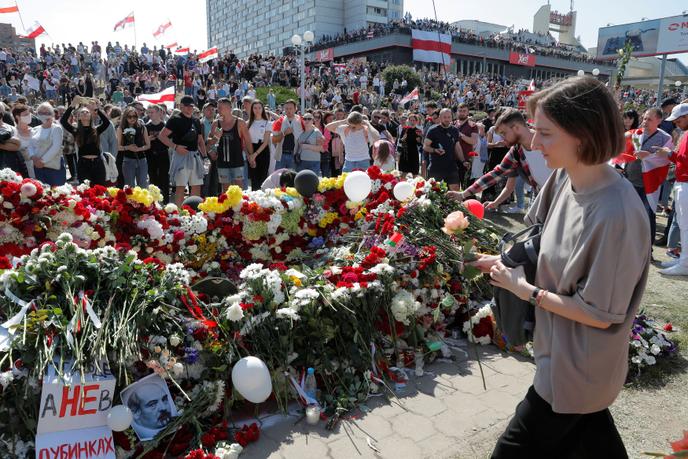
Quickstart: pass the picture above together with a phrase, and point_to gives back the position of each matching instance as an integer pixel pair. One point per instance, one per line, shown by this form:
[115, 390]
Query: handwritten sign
[72, 403]
[93, 443]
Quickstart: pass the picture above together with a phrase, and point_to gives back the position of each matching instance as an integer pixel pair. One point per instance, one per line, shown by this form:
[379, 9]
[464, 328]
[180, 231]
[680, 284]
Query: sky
[86, 20]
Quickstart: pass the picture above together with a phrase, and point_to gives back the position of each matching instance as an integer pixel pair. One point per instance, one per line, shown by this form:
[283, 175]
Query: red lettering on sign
[83, 448]
[110, 446]
[86, 399]
[66, 401]
[675, 26]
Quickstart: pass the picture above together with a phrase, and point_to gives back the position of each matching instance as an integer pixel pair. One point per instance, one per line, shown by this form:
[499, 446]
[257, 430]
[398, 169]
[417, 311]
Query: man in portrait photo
[151, 405]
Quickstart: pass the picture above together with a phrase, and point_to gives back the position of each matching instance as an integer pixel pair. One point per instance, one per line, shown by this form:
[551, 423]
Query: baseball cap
[678, 111]
[669, 101]
[187, 100]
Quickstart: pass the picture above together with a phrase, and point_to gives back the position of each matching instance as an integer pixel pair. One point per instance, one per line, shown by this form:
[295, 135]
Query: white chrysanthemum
[404, 305]
[287, 313]
[235, 313]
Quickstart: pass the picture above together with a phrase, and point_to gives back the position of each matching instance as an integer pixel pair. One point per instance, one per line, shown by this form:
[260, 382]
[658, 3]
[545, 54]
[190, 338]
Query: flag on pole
[531, 86]
[209, 55]
[34, 31]
[371, 34]
[126, 22]
[431, 46]
[413, 95]
[9, 9]
[181, 51]
[162, 28]
[171, 45]
[166, 96]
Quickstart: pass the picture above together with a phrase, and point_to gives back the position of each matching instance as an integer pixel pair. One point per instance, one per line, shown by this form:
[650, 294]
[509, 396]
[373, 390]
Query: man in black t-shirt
[158, 157]
[444, 150]
[184, 135]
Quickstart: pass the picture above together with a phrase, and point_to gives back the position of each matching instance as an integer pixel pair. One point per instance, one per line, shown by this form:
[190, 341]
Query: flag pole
[134, 17]
[20, 16]
[439, 37]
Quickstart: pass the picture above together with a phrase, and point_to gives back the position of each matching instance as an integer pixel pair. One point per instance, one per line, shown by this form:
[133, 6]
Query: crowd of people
[71, 114]
[521, 41]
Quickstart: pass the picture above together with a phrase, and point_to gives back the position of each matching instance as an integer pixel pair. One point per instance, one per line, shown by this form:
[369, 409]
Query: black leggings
[538, 432]
[258, 174]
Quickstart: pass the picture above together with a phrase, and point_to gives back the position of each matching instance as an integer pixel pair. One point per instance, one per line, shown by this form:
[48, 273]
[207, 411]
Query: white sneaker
[513, 210]
[668, 264]
[677, 270]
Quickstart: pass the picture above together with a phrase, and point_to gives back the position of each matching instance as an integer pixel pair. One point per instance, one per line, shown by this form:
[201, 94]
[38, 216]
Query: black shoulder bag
[516, 317]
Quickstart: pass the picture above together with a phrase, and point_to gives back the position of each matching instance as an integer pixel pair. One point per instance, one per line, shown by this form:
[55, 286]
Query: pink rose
[455, 222]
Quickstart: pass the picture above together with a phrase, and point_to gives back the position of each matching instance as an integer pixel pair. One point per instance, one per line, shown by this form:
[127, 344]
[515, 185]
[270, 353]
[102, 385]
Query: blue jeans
[311, 166]
[135, 172]
[350, 166]
[53, 177]
[520, 193]
[286, 162]
[674, 234]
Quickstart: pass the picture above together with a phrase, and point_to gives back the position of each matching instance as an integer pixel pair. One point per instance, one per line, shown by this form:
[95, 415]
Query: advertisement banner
[522, 59]
[324, 55]
[647, 38]
[673, 35]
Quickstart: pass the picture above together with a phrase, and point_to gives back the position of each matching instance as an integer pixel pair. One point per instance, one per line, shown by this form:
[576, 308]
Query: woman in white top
[22, 130]
[45, 149]
[357, 135]
[259, 129]
[383, 156]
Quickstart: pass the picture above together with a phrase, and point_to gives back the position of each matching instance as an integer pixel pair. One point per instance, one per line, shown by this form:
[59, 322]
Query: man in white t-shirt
[519, 161]
[286, 131]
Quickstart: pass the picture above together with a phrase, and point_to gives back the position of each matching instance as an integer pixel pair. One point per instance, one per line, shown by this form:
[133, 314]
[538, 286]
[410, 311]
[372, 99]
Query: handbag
[514, 316]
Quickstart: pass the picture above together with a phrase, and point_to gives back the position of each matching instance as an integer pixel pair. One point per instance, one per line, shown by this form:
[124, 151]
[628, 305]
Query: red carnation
[668, 327]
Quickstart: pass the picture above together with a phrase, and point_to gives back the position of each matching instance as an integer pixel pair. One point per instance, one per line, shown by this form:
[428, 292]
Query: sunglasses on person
[131, 117]
[308, 119]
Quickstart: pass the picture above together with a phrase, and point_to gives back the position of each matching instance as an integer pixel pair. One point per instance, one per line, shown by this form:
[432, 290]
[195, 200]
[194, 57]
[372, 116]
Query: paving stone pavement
[444, 414]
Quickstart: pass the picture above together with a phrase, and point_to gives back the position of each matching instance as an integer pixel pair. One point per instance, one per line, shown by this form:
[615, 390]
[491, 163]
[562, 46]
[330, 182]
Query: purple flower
[190, 355]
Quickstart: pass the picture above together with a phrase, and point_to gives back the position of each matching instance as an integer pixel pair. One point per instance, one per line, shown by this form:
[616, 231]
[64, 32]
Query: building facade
[10, 39]
[266, 26]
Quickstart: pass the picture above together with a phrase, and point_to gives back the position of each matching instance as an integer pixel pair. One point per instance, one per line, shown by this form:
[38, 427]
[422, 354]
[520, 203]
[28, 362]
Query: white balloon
[251, 378]
[357, 186]
[595, 72]
[581, 72]
[119, 418]
[403, 191]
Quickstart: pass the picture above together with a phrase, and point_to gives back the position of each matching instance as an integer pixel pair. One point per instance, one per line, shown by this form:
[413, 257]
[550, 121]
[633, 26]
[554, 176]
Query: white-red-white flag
[9, 9]
[531, 86]
[34, 31]
[431, 46]
[126, 22]
[182, 51]
[162, 28]
[171, 45]
[413, 95]
[208, 55]
[166, 96]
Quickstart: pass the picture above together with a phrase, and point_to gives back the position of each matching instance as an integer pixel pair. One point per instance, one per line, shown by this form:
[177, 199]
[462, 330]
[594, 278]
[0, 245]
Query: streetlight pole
[301, 44]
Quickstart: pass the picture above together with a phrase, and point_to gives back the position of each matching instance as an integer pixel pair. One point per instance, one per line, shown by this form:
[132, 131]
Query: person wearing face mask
[45, 149]
[22, 121]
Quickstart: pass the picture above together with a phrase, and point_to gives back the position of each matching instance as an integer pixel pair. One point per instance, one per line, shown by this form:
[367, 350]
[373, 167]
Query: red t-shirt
[467, 130]
[680, 158]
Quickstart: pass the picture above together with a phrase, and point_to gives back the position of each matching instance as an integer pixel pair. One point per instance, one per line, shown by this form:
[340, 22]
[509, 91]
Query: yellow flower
[113, 191]
[312, 232]
[360, 214]
[292, 192]
[234, 196]
[297, 282]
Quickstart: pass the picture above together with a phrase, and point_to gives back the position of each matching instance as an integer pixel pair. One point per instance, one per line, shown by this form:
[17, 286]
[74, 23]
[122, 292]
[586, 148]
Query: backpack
[514, 316]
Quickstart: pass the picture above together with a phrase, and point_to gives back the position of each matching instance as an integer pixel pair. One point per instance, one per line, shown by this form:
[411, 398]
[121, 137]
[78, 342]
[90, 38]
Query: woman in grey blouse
[591, 275]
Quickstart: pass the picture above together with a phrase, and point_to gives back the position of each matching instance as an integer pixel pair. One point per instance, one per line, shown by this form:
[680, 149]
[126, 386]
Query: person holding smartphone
[444, 150]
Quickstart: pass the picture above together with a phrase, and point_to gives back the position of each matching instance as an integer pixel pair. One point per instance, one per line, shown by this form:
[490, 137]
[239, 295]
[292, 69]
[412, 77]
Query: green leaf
[436, 314]
[471, 273]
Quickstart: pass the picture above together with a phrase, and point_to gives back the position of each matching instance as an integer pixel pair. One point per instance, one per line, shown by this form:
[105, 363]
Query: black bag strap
[529, 244]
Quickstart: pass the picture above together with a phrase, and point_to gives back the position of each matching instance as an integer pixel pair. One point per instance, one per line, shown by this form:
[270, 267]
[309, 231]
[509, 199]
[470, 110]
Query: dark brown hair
[510, 116]
[586, 109]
